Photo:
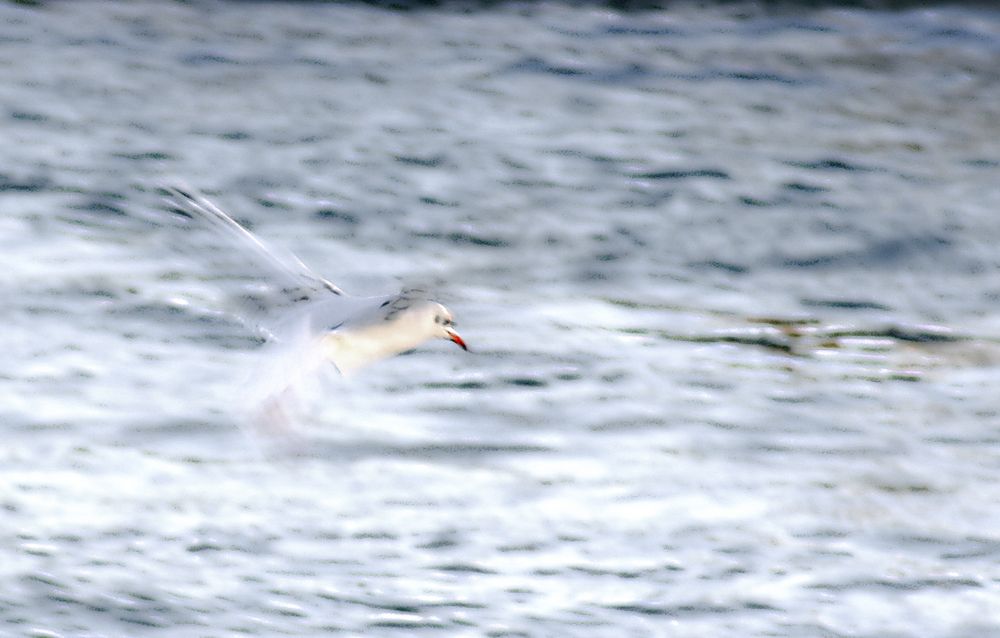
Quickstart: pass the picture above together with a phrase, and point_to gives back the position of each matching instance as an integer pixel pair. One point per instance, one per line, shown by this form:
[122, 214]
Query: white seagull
[313, 320]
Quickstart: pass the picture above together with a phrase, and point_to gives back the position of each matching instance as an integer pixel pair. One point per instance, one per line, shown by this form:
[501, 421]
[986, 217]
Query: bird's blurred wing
[275, 283]
[288, 374]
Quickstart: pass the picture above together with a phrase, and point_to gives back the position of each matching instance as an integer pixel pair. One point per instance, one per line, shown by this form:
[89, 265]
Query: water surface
[729, 276]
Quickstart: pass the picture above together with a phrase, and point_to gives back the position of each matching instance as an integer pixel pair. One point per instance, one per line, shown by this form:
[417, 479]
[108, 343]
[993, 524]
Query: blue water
[728, 273]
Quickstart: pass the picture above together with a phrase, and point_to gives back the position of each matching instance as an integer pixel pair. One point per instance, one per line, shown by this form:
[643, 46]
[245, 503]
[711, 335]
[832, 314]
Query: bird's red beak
[457, 339]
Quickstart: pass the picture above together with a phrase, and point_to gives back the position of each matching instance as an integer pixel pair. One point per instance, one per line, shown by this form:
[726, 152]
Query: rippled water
[729, 275]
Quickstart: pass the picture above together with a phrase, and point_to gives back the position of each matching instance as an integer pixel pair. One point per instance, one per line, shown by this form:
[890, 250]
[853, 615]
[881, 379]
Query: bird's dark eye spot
[438, 319]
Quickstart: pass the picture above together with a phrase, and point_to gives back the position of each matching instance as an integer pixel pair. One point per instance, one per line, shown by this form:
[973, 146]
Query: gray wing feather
[284, 283]
[196, 206]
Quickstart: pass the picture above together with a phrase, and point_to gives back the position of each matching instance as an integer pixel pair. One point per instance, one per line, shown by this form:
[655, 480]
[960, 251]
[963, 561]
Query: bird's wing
[275, 391]
[279, 283]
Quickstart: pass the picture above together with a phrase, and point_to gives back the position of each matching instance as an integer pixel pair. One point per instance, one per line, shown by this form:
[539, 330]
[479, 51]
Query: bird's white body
[353, 347]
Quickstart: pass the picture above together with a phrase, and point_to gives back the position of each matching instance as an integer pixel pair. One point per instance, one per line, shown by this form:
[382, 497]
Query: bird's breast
[354, 348]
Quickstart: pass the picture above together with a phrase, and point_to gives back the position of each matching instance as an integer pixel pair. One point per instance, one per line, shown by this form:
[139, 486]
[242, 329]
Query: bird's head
[443, 324]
